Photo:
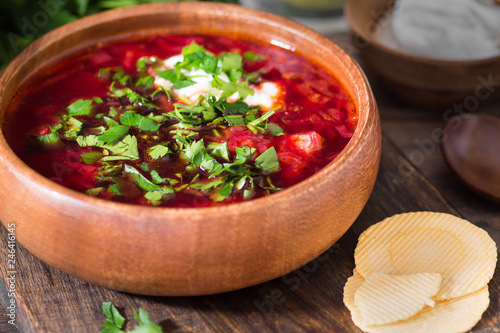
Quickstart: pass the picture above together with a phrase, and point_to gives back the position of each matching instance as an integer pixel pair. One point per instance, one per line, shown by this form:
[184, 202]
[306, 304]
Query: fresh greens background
[23, 21]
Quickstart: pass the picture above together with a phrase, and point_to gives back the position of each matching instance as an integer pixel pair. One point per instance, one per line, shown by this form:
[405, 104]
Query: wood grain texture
[310, 298]
[306, 300]
[168, 251]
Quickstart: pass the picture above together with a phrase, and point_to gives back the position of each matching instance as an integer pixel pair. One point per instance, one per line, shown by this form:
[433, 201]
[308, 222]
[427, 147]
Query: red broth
[317, 117]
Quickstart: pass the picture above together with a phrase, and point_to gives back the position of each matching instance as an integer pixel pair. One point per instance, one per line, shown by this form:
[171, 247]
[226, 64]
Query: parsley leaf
[112, 112]
[143, 182]
[49, 141]
[157, 179]
[97, 100]
[135, 119]
[88, 141]
[207, 186]
[74, 126]
[188, 114]
[127, 148]
[262, 118]
[275, 129]
[260, 124]
[80, 108]
[114, 321]
[197, 57]
[232, 65]
[94, 192]
[196, 153]
[145, 325]
[156, 196]
[229, 88]
[178, 79]
[219, 150]
[158, 151]
[91, 157]
[110, 122]
[134, 98]
[144, 166]
[169, 75]
[244, 153]
[143, 61]
[113, 134]
[252, 56]
[268, 161]
[183, 83]
[146, 81]
[231, 61]
[140, 180]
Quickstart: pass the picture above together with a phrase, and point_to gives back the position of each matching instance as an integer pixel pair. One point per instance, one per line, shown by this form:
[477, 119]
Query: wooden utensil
[470, 146]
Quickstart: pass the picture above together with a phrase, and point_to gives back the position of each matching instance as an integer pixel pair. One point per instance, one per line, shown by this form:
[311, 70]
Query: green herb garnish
[80, 108]
[115, 321]
[189, 137]
[91, 157]
[158, 151]
[252, 56]
[113, 134]
[134, 119]
[268, 161]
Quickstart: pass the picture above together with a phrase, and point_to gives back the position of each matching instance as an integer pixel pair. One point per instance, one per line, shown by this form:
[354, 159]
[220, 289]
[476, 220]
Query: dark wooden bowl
[470, 148]
[165, 251]
[435, 84]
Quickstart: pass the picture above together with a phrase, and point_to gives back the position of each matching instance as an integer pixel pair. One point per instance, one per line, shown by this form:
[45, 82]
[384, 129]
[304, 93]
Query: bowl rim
[369, 38]
[364, 93]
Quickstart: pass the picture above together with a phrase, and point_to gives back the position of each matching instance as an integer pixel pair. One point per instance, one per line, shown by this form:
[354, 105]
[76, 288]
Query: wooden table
[412, 177]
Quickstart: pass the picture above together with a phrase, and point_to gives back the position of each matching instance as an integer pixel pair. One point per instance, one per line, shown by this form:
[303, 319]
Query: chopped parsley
[252, 56]
[115, 321]
[159, 151]
[134, 141]
[80, 108]
[51, 140]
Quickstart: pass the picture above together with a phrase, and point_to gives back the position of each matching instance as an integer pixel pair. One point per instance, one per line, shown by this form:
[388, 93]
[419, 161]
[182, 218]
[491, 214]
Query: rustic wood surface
[413, 177]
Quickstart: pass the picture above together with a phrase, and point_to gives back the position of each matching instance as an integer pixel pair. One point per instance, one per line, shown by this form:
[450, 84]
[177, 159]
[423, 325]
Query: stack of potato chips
[421, 272]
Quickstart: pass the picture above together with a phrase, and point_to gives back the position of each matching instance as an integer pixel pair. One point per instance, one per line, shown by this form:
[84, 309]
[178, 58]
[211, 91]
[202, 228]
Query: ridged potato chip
[352, 284]
[412, 243]
[384, 299]
[452, 316]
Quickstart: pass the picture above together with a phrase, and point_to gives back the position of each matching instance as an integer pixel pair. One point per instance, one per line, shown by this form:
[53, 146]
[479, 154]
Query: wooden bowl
[469, 151]
[424, 82]
[167, 251]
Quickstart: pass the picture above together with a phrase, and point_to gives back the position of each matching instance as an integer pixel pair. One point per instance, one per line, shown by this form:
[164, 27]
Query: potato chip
[412, 243]
[453, 316]
[352, 284]
[384, 299]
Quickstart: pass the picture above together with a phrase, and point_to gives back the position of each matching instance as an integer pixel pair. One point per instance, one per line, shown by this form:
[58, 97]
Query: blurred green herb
[23, 21]
[115, 321]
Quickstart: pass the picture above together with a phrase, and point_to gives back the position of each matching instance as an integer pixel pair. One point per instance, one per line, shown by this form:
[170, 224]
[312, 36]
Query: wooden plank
[306, 300]
[4, 321]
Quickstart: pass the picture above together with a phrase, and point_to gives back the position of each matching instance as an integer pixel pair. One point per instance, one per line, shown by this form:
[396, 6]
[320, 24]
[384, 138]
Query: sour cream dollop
[443, 29]
[266, 94]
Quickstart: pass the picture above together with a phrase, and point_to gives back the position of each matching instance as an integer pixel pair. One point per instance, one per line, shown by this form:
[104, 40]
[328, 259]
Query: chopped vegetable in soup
[182, 121]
